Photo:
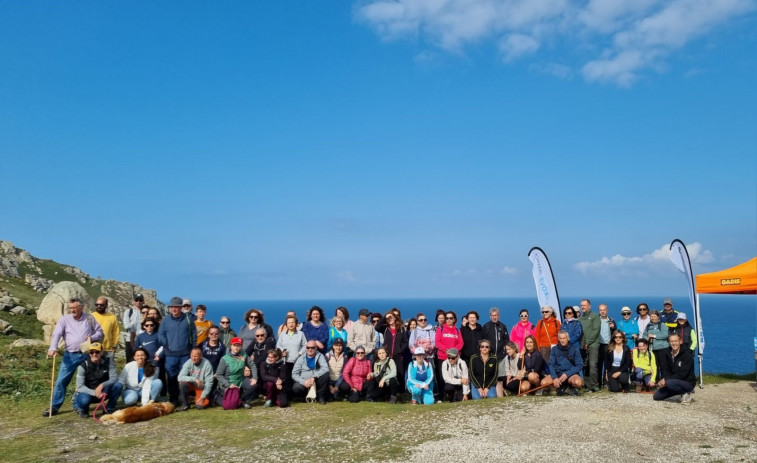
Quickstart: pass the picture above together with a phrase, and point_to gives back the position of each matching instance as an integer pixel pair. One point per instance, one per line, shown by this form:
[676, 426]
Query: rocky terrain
[30, 284]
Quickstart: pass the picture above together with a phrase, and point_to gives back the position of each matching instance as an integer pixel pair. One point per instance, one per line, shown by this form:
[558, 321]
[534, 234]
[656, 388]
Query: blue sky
[380, 149]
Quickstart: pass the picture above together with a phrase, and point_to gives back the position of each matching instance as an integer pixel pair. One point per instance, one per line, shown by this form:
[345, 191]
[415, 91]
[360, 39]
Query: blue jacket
[565, 360]
[575, 330]
[629, 327]
[177, 335]
[316, 333]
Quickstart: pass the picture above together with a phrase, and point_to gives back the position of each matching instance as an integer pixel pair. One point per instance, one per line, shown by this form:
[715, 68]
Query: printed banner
[544, 279]
[680, 257]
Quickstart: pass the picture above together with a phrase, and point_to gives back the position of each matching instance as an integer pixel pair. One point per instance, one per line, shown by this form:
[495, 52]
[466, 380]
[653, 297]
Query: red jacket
[446, 338]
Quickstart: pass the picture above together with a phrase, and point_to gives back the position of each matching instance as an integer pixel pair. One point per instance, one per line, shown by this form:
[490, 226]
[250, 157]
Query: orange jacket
[546, 332]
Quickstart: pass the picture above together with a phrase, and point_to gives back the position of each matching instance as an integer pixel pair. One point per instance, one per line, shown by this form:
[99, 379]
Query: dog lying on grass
[136, 414]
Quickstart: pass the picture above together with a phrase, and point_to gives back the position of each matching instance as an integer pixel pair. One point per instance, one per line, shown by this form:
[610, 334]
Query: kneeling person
[96, 377]
[196, 376]
[311, 370]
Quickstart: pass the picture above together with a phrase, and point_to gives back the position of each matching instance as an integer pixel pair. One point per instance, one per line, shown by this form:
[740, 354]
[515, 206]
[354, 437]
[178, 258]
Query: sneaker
[439, 401]
[247, 405]
[268, 403]
[414, 402]
[686, 399]
[81, 413]
[393, 399]
[47, 412]
[200, 407]
[322, 401]
[183, 408]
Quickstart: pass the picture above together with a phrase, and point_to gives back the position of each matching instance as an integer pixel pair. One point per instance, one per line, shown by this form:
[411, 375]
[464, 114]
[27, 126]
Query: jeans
[131, 396]
[673, 387]
[491, 394]
[68, 366]
[640, 377]
[113, 391]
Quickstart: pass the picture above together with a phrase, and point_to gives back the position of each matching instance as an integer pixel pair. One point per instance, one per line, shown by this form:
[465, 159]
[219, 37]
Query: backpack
[231, 400]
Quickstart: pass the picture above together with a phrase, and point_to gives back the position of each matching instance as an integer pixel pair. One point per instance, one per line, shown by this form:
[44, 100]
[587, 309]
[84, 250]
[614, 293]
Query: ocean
[729, 321]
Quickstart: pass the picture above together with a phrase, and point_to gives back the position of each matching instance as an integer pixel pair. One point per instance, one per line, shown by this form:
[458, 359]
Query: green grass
[721, 378]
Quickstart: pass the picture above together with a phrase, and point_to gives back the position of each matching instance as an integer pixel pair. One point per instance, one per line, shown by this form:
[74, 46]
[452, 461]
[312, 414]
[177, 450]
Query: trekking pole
[52, 387]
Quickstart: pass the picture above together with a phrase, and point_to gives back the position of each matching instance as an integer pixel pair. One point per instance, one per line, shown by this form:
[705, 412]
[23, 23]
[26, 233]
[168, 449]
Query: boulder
[28, 343]
[6, 303]
[4, 326]
[55, 303]
[20, 310]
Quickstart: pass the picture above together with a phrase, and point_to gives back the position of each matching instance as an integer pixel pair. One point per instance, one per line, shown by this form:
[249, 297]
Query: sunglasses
[259, 335]
[545, 311]
[224, 323]
[449, 318]
[359, 353]
[618, 337]
[310, 348]
[421, 319]
[95, 352]
[148, 325]
[643, 309]
[186, 305]
[253, 317]
[101, 305]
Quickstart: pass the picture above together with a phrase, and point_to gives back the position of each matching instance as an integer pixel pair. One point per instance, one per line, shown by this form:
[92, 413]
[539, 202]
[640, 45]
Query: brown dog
[136, 414]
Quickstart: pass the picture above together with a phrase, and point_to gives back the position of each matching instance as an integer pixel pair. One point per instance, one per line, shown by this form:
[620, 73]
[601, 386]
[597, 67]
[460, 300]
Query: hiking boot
[247, 405]
[322, 401]
[686, 399]
[47, 412]
[81, 413]
[182, 408]
[393, 399]
[268, 403]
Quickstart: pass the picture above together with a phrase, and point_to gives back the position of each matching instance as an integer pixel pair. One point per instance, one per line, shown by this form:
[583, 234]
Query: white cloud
[508, 270]
[630, 36]
[346, 275]
[558, 70]
[657, 261]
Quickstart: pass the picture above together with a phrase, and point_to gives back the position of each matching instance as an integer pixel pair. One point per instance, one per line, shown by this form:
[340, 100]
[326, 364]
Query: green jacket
[591, 325]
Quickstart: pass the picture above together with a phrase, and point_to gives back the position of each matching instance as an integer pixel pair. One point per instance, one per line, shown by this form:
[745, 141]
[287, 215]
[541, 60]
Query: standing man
[668, 315]
[202, 325]
[310, 370]
[496, 333]
[607, 326]
[186, 307]
[109, 324]
[76, 328]
[132, 322]
[177, 335]
[590, 345]
[361, 333]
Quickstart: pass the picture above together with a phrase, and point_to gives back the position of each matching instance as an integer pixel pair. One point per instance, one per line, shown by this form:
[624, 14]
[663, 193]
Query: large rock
[20, 310]
[28, 343]
[5, 327]
[55, 304]
[7, 303]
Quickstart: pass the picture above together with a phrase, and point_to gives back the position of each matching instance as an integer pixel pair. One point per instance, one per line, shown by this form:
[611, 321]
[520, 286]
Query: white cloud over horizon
[626, 37]
[655, 262]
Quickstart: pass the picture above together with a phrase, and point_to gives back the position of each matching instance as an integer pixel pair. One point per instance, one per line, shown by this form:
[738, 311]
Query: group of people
[375, 357]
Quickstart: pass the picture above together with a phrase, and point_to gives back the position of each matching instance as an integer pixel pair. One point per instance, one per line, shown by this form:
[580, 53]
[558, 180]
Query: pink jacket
[519, 333]
[356, 371]
[447, 338]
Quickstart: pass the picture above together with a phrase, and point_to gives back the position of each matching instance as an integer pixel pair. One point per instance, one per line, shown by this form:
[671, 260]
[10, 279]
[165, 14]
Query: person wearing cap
[357, 375]
[676, 372]
[336, 359]
[311, 370]
[237, 370]
[565, 365]
[420, 378]
[456, 380]
[668, 315]
[685, 331]
[361, 333]
[628, 327]
[645, 366]
[109, 324]
[177, 335]
[132, 321]
[77, 329]
[591, 326]
[226, 332]
[657, 335]
[202, 324]
[96, 377]
[186, 306]
[196, 376]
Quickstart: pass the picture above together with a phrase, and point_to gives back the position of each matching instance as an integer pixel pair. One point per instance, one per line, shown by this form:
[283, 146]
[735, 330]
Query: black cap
[139, 297]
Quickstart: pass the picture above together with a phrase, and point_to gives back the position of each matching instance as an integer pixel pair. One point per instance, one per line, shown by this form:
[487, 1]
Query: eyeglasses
[486, 347]
[259, 335]
[101, 305]
[643, 308]
[359, 353]
[524, 316]
[225, 323]
[421, 319]
[626, 314]
[253, 317]
[308, 347]
[449, 318]
[149, 325]
[545, 311]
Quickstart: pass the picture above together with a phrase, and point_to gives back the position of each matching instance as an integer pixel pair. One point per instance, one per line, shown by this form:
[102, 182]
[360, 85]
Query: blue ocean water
[729, 321]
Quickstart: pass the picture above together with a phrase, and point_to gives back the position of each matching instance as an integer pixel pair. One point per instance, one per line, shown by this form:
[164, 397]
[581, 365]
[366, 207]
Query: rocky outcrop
[41, 285]
[55, 304]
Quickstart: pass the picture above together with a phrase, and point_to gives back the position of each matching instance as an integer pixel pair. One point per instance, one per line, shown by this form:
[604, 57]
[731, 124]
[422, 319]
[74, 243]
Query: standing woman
[572, 325]
[148, 340]
[618, 363]
[337, 331]
[252, 320]
[546, 331]
[395, 342]
[345, 314]
[522, 329]
[292, 344]
[533, 365]
[447, 337]
[315, 329]
[472, 332]
[483, 371]
[657, 334]
[283, 326]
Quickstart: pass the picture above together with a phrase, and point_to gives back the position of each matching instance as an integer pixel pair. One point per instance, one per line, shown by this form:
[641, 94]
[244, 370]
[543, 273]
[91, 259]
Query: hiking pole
[52, 387]
[532, 390]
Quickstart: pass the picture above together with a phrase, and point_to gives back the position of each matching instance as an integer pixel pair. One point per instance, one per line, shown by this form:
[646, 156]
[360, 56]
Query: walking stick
[533, 390]
[522, 368]
[52, 387]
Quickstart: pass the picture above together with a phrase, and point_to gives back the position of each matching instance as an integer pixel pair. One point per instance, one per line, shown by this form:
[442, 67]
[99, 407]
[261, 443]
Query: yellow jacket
[646, 362]
[109, 324]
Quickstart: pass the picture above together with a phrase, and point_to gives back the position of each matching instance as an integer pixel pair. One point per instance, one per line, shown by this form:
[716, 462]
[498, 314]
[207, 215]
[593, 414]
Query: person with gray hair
[565, 365]
[496, 333]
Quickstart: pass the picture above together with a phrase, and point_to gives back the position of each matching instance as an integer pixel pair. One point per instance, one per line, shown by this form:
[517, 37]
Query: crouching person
[420, 379]
[236, 370]
[139, 378]
[196, 376]
[455, 374]
[311, 372]
[565, 365]
[95, 378]
[357, 377]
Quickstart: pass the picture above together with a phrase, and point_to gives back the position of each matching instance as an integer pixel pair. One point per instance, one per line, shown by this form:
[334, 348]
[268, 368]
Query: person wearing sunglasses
[95, 377]
[311, 372]
[618, 363]
[109, 324]
[357, 376]
[546, 331]
[148, 340]
[628, 326]
[213, 349]
[447, 337]
[226, 332]
[132, 319]
[484, 372]
[572, 325]
[253, 321]
[521, 330]
[258, 350]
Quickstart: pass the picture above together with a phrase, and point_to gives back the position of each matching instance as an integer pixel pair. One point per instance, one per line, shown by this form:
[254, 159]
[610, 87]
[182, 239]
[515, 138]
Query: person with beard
[109, 324]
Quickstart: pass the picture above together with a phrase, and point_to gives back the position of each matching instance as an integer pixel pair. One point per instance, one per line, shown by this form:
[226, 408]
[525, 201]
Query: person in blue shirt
[628, 326]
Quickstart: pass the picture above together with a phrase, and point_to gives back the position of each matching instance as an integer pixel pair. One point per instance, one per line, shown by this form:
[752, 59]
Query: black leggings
[621, 382]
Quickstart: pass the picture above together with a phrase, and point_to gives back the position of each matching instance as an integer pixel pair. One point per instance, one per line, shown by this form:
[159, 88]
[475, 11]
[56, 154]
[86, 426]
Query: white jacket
[129, 378]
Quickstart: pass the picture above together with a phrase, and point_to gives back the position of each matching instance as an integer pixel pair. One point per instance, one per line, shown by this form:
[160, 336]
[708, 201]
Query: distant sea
[729, 321]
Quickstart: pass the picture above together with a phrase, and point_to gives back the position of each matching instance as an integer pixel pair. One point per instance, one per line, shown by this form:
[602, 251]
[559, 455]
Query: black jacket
[679, 367]
[497, 335]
